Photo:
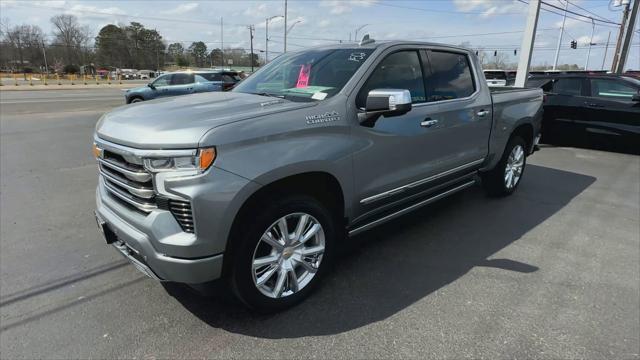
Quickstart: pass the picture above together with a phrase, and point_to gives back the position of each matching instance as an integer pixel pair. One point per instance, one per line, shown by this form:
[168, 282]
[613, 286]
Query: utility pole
[251, 40]
[44, 53]
[266, 41]
[627, 36]
[606, 47]
[285, 26]
[616, 53]
[564, 19]
[222, 42]
[527, 43]
[593, 28]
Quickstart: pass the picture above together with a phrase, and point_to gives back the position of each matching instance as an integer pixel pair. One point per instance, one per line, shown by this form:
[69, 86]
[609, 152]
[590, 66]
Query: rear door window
[568, 86]
[450, 76]
[182, 79]
[211, 76]
[400, 70]
[612, 89]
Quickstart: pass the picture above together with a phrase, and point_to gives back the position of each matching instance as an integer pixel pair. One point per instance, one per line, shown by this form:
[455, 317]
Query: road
[551, 272]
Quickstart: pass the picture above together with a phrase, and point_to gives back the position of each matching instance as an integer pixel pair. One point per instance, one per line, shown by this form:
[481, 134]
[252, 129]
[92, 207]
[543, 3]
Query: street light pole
[266, 40]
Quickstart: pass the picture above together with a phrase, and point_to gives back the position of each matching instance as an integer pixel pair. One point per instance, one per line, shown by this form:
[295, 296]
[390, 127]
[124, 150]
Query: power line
[571, 17]
[581, 15]
[588, 11]
[440, 11]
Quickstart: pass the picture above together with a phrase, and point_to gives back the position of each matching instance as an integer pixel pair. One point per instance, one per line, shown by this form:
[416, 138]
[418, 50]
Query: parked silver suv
[261, 184]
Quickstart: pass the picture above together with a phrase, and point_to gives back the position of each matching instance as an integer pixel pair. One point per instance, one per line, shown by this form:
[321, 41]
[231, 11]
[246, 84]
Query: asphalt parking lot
[551, 272]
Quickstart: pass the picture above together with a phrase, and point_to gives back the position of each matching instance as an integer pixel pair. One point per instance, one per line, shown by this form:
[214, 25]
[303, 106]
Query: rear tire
[505, 177]
[271, 272]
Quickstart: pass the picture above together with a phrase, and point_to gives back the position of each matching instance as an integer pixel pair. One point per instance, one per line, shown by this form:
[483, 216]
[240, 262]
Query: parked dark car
[590, 106]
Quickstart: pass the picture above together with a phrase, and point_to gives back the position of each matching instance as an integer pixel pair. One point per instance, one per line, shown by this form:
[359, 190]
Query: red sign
[303, 76]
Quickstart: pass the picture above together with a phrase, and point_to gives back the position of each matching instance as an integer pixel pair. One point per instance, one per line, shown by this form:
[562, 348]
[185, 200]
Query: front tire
[136, 100]
[505, 177]
[283, 253]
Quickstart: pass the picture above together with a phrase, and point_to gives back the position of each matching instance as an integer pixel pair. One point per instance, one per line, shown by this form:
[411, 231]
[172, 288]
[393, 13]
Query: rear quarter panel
[511, 109]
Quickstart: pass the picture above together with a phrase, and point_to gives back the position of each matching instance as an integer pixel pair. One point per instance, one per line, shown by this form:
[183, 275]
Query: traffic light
[574, 44]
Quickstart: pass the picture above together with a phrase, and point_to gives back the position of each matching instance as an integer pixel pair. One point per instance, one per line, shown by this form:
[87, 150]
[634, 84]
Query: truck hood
[180, 122]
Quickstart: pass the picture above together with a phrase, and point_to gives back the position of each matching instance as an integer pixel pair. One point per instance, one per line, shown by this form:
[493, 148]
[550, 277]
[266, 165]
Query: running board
[411, 208]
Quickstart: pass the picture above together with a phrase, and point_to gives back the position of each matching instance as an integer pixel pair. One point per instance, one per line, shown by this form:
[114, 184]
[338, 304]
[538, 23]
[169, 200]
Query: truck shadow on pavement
[389, 268]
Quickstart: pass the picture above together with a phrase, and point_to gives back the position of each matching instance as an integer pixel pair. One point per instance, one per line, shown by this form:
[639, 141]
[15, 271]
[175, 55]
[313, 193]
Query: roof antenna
[366, 40]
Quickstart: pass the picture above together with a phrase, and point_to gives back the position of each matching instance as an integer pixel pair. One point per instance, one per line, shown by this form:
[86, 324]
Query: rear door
[182, 84]
[463, 114]
[565, 111]
[611, 110]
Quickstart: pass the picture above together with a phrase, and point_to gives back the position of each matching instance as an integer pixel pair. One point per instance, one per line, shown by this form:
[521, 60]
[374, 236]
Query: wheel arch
[321, 185]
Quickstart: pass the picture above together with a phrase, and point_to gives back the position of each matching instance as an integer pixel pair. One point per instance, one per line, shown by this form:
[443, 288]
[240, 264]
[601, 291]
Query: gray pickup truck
[258, 186]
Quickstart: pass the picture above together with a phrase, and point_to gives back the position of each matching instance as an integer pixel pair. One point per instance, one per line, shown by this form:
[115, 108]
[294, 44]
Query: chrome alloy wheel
[288, 255]
[514, 167]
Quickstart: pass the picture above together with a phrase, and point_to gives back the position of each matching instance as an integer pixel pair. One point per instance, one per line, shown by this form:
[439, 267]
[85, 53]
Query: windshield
[306, 76]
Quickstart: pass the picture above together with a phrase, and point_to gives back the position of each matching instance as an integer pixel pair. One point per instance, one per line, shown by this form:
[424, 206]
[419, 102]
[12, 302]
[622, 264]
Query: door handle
[483, 113]
[593, 104]
[428, 122]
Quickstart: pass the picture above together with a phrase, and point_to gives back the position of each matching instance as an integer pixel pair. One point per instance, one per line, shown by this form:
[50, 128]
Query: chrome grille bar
[128, 198]
[143, 192]
[130, 173]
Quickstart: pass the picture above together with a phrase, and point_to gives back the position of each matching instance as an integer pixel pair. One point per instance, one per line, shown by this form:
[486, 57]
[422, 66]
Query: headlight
[201, 162]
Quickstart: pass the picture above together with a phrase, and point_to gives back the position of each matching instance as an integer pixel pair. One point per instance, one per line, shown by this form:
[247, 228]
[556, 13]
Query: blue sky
[474, 22]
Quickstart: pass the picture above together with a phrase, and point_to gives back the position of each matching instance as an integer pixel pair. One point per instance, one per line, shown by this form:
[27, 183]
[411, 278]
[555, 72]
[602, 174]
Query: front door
[409, 149]
[612, 111]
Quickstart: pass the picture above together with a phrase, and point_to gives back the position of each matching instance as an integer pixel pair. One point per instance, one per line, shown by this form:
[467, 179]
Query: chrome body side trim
[410, 208]
[402, 188]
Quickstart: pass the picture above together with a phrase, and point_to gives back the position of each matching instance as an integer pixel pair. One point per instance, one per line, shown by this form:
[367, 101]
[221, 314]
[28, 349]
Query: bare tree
[71, 35]
[24, 42]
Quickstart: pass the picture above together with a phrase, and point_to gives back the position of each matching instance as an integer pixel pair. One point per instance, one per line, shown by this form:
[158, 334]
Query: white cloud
[89, 11]
[324, 23]
[256, 11]
[584, 40]
[342, 7]
[489, 8]
[182, 8]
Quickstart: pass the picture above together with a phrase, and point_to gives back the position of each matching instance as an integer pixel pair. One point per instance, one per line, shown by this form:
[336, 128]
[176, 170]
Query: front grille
[126, 179]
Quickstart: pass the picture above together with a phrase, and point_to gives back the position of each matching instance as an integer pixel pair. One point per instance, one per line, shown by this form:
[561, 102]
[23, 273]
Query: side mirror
[387, 103]
[150, 85]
